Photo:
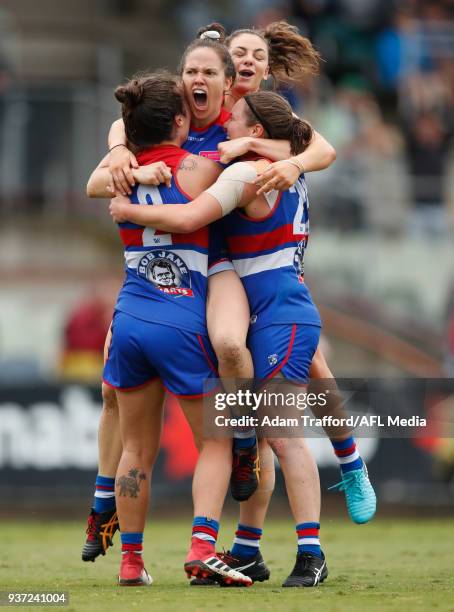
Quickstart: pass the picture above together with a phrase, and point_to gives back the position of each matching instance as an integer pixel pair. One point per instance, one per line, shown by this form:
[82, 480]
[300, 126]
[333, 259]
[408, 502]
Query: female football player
[206, 66]
[159, 338]
[267, 237]
[280, 51]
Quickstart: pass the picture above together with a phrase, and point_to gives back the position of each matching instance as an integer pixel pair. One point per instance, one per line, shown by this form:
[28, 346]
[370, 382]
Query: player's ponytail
[291, 56]
[275, 115]
[301, 134]
[149, 105]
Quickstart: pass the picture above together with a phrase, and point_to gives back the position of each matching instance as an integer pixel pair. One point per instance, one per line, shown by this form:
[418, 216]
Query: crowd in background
[385, 99]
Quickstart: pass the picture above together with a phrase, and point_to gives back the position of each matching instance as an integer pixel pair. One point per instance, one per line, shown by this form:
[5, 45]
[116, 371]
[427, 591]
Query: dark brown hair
[275, 114]
[291, 56]
[149, 105]
[217, 45]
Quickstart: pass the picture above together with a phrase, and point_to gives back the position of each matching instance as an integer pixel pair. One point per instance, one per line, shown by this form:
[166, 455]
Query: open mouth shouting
[246, 73]
[200, 98]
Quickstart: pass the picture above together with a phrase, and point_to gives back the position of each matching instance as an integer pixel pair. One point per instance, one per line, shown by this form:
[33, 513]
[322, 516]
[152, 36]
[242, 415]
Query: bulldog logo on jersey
[167, 272]
[298, 260]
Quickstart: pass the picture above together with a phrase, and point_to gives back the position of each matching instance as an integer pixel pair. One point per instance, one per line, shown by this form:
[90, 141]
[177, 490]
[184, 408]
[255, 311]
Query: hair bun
[214, 31]
[131, 93]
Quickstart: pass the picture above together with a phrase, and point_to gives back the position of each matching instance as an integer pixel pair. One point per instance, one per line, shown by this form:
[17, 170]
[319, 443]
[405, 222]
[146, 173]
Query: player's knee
[266, 455]
[267, 480]
[141, 453]
[280, 446]
[230, 352]
[109, 399]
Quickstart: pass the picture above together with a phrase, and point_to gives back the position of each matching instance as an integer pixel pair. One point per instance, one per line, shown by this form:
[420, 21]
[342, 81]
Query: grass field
[388, 565]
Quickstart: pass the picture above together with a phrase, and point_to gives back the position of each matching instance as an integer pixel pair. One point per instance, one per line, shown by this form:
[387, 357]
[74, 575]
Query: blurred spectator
[85, 334]
[427, 146]
[365, 184]
[6, 81]
[190, 16]
[401, 50]
[343, 32]
[262, 12]
[449, 347]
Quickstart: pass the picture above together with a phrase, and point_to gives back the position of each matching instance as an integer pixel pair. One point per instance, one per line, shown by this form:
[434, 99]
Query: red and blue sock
[347, 454]
[204, 536]
[104, 499]
[246, 542]
[131, 542]
[205, 529]
[308, 538]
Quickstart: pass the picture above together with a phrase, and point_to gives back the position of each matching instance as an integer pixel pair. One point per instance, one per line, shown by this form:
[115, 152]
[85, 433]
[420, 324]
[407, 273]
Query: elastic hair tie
[211, 34]
[117, 145]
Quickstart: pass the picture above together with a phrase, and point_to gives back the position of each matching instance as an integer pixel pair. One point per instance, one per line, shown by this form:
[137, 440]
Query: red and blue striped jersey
[268, 256]
[166, 274]
[204, 141]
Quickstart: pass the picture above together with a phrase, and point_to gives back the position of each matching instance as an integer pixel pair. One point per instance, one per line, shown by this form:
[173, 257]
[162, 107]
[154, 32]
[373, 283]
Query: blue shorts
[218, 253]
[141, 351]
[285, 349]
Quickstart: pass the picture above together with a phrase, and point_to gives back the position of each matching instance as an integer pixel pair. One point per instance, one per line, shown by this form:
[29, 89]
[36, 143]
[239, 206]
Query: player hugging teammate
[259, 243]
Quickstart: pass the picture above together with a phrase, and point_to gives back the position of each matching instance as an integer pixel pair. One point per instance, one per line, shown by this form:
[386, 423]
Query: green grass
[395, 565]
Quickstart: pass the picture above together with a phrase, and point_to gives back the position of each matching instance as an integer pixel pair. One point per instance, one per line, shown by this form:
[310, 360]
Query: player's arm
[263, 147]
[174, 218]
[98, 185]
[122, 160]
[317, 156]
[320, 154]
[234, 188]
[100, 182]
[283, 174]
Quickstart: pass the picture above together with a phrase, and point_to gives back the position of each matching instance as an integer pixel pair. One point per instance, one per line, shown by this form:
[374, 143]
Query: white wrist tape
[229, 187]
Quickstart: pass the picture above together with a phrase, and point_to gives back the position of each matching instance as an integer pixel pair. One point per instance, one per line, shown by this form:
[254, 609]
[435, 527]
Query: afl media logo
[167, 272]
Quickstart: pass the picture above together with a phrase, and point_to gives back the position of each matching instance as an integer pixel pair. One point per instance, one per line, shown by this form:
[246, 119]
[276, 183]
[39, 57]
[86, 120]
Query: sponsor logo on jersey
[167, 272]
[253, 319]
[214, 155]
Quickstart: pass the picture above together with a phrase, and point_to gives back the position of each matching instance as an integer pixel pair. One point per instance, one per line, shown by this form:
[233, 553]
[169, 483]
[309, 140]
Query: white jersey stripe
[150, 238]
[196, 262]
[264, 263]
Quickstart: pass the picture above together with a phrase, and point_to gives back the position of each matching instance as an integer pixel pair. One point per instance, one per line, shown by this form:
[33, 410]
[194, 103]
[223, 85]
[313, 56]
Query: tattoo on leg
[130, 484]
